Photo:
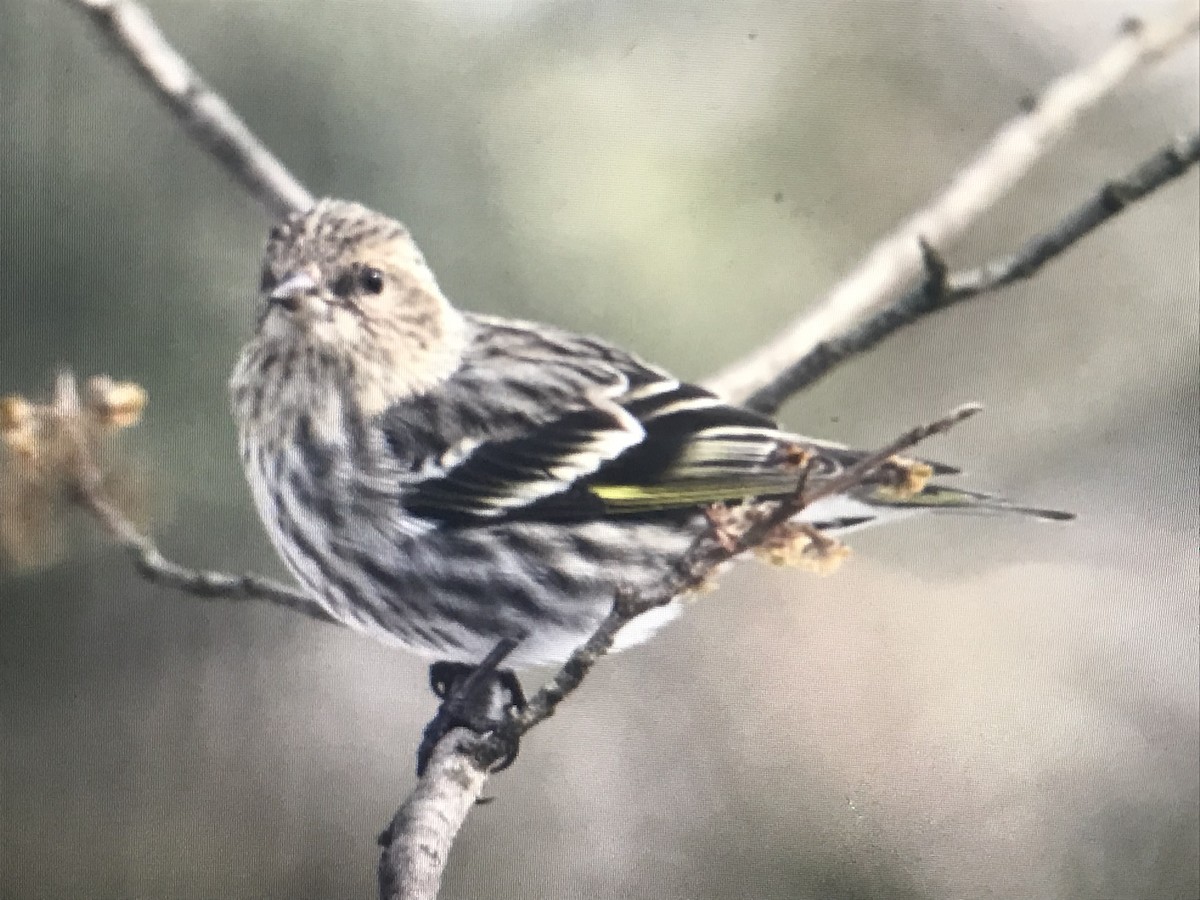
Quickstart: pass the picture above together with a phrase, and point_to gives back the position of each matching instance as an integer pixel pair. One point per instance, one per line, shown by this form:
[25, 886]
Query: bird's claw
[476, 698]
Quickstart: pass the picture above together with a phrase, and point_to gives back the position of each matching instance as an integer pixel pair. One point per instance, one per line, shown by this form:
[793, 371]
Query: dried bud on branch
[51, 449]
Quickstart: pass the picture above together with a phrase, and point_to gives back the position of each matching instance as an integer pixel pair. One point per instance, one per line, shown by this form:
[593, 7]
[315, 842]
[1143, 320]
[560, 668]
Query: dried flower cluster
[48, 448]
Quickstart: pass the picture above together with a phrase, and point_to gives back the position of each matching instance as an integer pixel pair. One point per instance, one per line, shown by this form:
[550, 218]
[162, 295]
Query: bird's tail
[952, 499]
[872, 504]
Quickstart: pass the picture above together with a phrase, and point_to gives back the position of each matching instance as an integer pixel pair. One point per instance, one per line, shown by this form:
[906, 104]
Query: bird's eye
[371, 280]
[267, 280]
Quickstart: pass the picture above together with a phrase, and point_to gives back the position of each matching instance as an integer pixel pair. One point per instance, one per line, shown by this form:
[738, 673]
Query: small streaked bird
[442, 480]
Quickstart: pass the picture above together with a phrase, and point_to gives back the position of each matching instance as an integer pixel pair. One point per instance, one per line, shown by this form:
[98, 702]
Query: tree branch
[416, 844]
[897, 260]
[204, 114]
[203, 583]
[58, 442]
[941, 289]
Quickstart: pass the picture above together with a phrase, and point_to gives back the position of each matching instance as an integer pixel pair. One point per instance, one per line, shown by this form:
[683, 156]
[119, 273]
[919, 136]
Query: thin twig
[941, 288]
[570, 676]
[83, 480]
[861, 470]
[203, 583]
[896, 261]
[202, 112]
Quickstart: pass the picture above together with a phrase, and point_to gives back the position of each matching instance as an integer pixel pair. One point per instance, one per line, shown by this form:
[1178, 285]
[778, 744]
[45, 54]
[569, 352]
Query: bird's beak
[289, 292]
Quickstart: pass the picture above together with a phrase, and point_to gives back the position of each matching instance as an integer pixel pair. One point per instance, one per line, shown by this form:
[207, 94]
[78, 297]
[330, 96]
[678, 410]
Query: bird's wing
[540, 423]
[659, 446]
[697, 449]
[493, 479]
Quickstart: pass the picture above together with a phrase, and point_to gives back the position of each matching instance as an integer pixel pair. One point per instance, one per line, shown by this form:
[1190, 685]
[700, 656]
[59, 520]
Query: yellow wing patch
[638, 497]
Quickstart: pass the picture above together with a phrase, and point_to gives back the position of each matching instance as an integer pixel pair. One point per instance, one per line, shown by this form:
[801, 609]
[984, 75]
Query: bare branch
[941, 288]
[896, 261]
[416, 845]
[203, 112]
[60, 437]
[203, 583]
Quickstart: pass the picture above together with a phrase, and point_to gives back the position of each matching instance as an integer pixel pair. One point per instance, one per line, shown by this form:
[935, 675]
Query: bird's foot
[477, 698]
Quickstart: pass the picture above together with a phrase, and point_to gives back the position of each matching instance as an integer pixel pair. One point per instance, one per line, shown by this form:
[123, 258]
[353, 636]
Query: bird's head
[348, 284]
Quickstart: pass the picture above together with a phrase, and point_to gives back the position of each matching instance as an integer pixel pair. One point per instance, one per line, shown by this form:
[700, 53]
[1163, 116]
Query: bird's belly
[452, 592]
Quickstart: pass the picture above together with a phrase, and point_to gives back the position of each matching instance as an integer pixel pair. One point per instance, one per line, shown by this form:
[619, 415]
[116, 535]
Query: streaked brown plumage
[441, 479]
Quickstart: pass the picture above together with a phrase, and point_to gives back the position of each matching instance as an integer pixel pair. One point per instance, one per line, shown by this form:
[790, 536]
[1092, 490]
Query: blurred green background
[967, 709]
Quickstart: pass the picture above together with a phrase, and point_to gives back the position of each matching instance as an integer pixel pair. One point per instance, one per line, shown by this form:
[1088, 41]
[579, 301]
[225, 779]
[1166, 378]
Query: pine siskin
[443, 480]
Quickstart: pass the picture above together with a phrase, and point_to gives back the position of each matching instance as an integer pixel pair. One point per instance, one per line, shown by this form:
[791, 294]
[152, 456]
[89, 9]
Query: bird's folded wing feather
[583, 430]
[497, 477]
[663, 445]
